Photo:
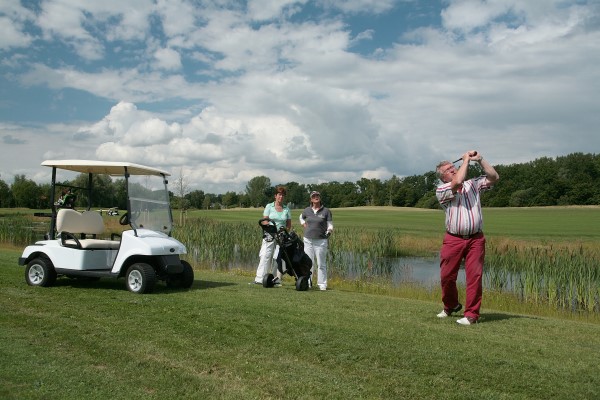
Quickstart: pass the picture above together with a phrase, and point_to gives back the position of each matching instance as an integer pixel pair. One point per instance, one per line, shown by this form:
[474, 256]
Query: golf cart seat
[71, 223]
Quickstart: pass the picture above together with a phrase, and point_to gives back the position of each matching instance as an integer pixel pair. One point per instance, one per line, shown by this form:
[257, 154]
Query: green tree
[103, 190]
[297, 194]
[26, 192]
[392, 185]
[230, 199]
[6, 199]
[120, 194]
[258, 190]
[196, 197]
[373, 191]
[244, 200]
[335, 194]
[207, 202]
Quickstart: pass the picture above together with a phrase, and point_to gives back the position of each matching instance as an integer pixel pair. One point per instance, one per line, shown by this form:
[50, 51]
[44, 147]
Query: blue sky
[308, 91]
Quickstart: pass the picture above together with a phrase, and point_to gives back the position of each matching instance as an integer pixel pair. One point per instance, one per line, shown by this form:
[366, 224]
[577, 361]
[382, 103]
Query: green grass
[533, 223]
[225, 339]
[411, 219]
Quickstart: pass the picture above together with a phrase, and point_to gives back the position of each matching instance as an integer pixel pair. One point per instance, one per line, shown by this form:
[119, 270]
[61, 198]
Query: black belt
[477, 234]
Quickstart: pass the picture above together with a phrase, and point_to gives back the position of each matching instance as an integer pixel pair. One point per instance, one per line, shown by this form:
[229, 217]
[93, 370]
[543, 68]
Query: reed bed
[19, 230]
[565, 276]
[220, 246]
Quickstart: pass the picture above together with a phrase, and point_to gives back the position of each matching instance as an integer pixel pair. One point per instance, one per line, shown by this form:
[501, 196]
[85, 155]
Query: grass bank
[225, 339]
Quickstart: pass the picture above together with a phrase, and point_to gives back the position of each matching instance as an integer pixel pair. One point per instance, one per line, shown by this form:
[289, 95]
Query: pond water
[424, 271]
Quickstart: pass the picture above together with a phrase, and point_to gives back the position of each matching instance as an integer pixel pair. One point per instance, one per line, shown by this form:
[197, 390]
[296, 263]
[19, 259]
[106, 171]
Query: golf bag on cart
[291, 258]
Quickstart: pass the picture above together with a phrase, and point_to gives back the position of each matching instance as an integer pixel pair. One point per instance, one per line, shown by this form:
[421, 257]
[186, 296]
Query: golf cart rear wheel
[140, 278]
[268, 281]
[40, 272]
[302, 283]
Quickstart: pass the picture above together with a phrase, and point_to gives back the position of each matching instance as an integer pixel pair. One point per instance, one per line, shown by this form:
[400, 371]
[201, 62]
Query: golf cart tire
[184, 280]
[40, 272]
[302, 283]
[268, 281]
[140, 278]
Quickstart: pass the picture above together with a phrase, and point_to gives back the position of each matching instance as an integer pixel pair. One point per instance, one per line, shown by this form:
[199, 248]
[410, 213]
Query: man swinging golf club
[464, 239]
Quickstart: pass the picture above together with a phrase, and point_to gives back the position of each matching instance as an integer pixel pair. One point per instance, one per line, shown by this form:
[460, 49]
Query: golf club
[473, 155]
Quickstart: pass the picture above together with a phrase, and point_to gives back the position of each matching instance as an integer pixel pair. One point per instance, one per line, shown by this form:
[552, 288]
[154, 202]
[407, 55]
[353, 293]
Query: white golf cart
[75, 246]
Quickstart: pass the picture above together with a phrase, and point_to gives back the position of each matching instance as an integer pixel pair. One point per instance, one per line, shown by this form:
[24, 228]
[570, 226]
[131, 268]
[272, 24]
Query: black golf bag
[291, 259]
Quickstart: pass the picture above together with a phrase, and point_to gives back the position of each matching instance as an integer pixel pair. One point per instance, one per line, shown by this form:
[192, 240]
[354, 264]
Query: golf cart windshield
[149, 202]
[148, 198]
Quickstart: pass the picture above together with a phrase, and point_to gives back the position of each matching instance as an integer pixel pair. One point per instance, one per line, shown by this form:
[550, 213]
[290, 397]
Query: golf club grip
[474, 154]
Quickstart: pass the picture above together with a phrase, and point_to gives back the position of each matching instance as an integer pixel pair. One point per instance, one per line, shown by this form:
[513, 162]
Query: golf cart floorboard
[95, 273]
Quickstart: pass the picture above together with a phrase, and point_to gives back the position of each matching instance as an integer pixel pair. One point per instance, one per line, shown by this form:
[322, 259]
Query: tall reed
[20, 230]
[217, 245]
[566, 276]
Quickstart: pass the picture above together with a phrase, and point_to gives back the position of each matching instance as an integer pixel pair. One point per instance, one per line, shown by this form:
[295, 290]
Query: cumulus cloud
[229, 91]
[168, 59]
[126, 125]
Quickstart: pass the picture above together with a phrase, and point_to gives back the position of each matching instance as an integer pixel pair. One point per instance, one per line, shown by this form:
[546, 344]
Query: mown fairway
[225, 339]
[538, 223]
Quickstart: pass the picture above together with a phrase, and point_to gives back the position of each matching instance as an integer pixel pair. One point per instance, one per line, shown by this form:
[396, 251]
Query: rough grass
[225, 339]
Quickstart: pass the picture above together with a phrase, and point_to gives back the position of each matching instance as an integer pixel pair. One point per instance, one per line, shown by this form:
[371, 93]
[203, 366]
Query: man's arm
[461, 173]
[490, 173]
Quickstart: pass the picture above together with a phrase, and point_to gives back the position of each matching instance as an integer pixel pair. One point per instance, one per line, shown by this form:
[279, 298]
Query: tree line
[567, 180]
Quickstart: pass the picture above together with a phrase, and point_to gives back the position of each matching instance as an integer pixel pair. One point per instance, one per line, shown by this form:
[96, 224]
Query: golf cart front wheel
[40, 272]
[185, 279]
[140, 278]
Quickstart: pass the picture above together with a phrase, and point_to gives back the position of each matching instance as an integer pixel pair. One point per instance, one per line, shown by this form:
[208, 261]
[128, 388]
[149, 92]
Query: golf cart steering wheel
[124, 220]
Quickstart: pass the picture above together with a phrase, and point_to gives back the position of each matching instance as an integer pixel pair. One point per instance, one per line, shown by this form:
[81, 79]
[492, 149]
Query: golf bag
[291, 258]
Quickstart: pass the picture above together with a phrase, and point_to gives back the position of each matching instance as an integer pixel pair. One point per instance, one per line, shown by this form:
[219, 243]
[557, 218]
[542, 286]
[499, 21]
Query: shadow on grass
[119, 284]
[201, 285]
[495, 317]
[90, 283]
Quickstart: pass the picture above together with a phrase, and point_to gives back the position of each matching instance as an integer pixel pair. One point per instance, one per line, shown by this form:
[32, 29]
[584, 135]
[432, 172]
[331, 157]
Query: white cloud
[12, 35]
[132, 128]
[291, 98]
[466, 15]
[360, 6]
[514, 21]
[167, 59]
[13, 17]
[263, 10]
[65, 20]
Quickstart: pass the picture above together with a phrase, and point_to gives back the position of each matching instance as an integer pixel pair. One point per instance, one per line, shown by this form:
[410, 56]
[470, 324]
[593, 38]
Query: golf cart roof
[114, 168]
